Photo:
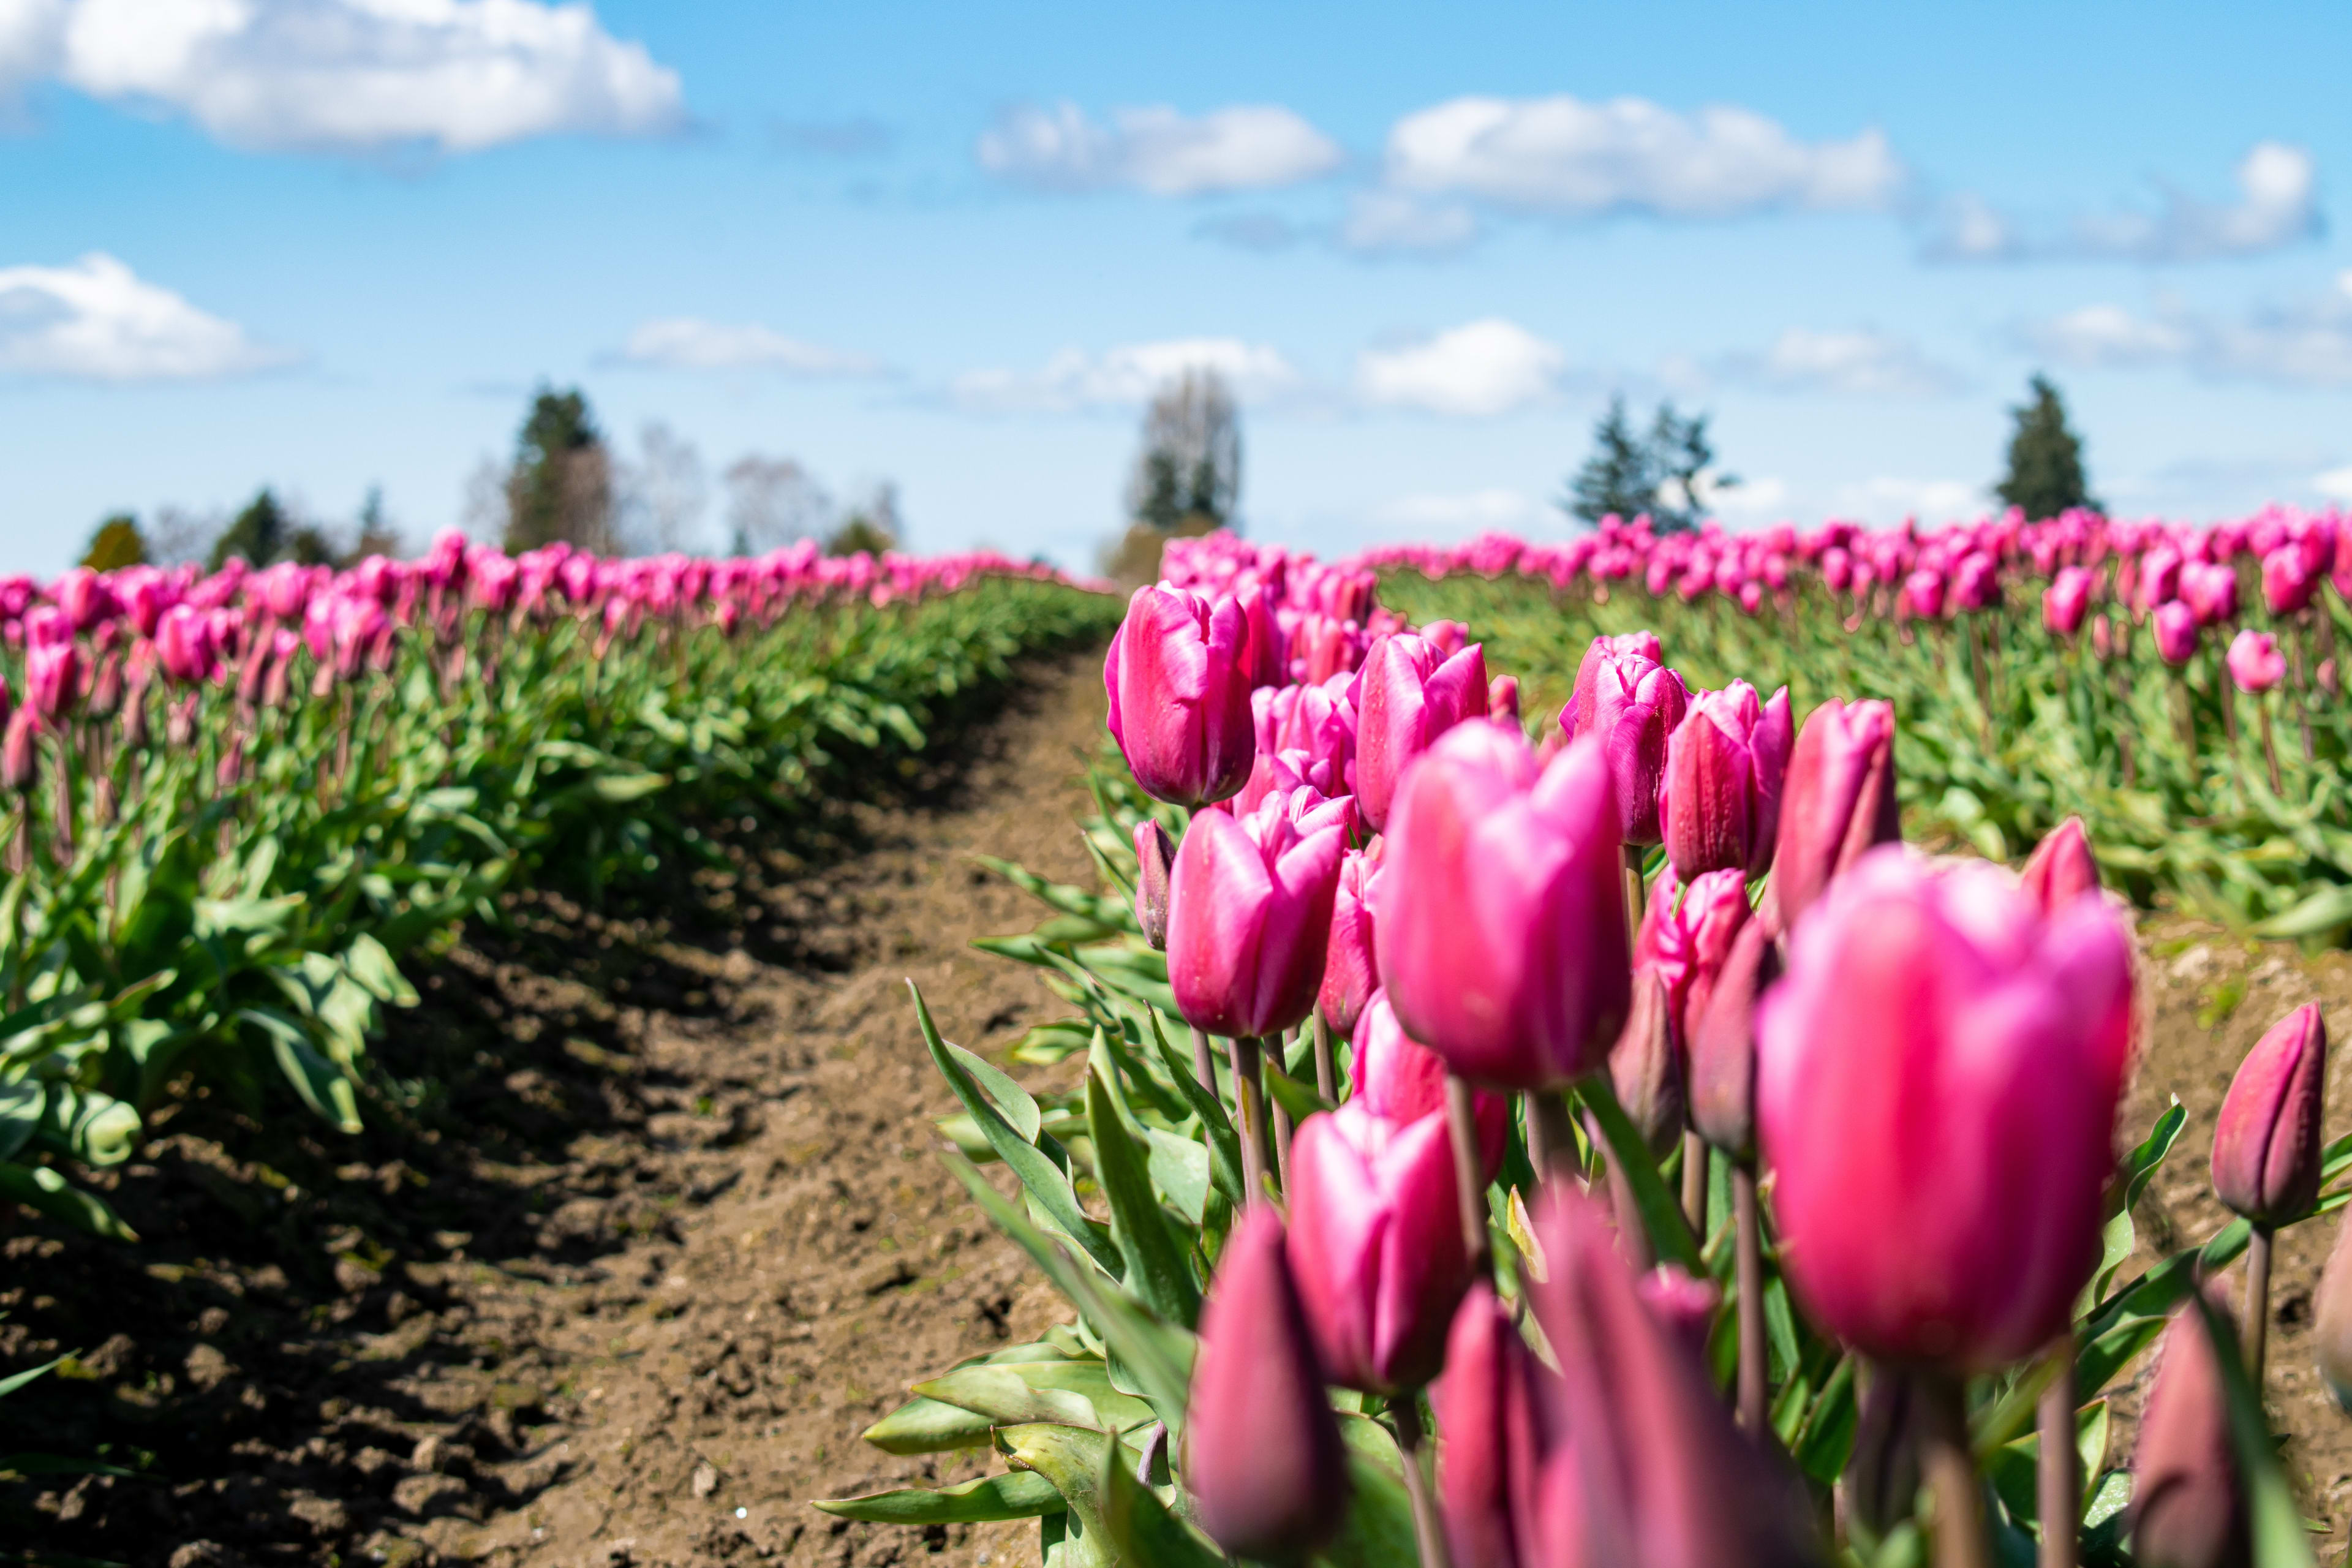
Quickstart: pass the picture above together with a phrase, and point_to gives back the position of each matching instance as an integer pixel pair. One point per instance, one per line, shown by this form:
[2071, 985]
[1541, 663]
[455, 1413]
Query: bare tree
[662, 494]
[772, 502]
[1190, 466]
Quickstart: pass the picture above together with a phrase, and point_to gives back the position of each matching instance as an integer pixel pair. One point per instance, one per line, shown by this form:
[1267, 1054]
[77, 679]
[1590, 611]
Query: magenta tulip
[1501, 924]
[1836, 802]
[1485, 1405]
[1724, 766]
[2255, 662]
[1937, 1083]
[1376, 1244]
[2210, 591]
[1410, 693]
[2288, 581]
[2267, 1142]
[1352, 970]
[1398, 1079]
[20, 756]
[2062, 868]
[1632, 704]
[1178, 678]
[2188, 1501]
[1722, 1042]
[1153, 850]
[1503, 699]
[1645, 1066]
[52, 679]
[2176, 632]
[1686, 1307]
[2066, 601]
[1263, 1457]
[1249, 918]
[1687, 933]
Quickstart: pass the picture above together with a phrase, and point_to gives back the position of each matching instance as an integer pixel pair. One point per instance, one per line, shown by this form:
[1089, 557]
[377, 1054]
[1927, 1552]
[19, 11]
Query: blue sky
[329, 243]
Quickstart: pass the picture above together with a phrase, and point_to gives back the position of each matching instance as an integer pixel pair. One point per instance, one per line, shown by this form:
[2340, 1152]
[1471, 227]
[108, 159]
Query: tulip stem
[1249, 1096]
[1962, 1539]
[2059, 1486]
[1281, 1120]
[1634, 1238]
[2270, 752]
[1469, 1174]
[1204, 1061]
[1749, 1255]
[2258, 1303]
[1428, 1523]
[1694, 1182]
[1636, 894]
[1551, 1134]
[1327, 1077]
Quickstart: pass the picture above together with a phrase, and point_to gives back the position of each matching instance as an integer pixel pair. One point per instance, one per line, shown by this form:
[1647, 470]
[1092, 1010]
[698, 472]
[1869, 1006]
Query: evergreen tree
[1189, 468]
[2045, 458]
[1617, 480]
[258, 536]
[1679, 454]
[117, 543]
[561, 485]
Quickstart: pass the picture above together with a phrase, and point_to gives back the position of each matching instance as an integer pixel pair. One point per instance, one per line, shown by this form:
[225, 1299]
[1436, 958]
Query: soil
[649, 1226]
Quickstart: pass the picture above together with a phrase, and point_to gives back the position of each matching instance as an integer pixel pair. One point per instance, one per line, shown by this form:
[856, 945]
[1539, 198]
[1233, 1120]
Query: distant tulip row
[1674, 942]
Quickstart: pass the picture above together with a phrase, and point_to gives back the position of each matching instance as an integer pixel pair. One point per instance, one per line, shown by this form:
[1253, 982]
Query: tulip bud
[52, 677]
[1179, 681]
[2267, 1140]
[1376, 1244]
[2062, 868]
[1263, 1457]
[1398, 1079]
[1410, 694]
[2066, 601]
[2176, 632]
[1249, 919]
[1936, 1081]
[1837, 802]
[2188, 1501]
[2326, 676]
[2255, 662]
[1485, 1421]
[1352, 972]
[1153, 850]
[1500, 922]
[1644, 1067]
[19, 752]
[1724, 766]
[2288, 581]
[2332, 1316]
[1632, 703]
[1722, 1048]
[1685, 1307]
[2209, 590]
[1503, 699]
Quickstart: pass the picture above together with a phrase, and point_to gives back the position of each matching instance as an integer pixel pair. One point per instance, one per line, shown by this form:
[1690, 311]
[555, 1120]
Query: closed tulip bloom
[1398, 1079]
[1485, 1406]
[1178, 678]
[1249, 918]
[1836, 802]
[1686, 1307]
[1153, 850]
[2189, 1503]
[1724, 766]
[1262, 1458]
[1630, 704]
[1376, 1244]
[1936, 1079]
[1645, 1066]
[1501, 919]
[1924, 589]
[2267, 1142]
[2255, 662]
[1721, 1048]
[2332, 1316]
[20, 756]
[2176, 632]
[2066, 601]
[2210, 591]
[1410, 693]
[1352, 970]
[52, 679]
[2062, 868]
[2288, 581]
[1503, 699]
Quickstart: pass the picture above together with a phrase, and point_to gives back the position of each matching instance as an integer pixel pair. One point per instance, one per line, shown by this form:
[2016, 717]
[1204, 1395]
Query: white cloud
[97, 320]
[1477, 369]
[2336, 484]
[1460, 514]
[1157, 149]
[29, 40]
[2305, 342]
[1124, 376]
[1388, 222]
[688, 342]
[1561, 154]
[1750, 500]
[455, 75]
[2277, 206]
[1859, 363]
[1890, 499]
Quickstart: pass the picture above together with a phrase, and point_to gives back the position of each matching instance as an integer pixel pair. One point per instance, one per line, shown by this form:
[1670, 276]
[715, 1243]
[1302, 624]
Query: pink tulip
[52, 679]
[1721, 1049]
[1632, 704]
[2289, 581]
[184, 642]
[1178, 679]
[1486, 1409]
[2062, 868]
[2267, 1142]
[20, 756]
[2176, 632]
[86, 598]
[1936, 1084]
[1263, 1457]
[1500, 924]
[1685, 1307]
[1410, 694]
[1352, 970]
[1398, 1079]
[1724, 763]
[1924, 590]
[1837, 800]
[1249, 918]
[2159, 575]
[2255, 662]
[2066, 601]
[1687, 934]
[1503, 699]
[1645, 1066]
[1153, 850]
[2331, 1312]
[2210, 592]
[2189, 1499]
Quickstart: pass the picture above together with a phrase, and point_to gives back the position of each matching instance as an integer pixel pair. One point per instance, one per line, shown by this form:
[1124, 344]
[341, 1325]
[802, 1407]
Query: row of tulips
[2176, 688]
[1612, 1147]
[232, 803]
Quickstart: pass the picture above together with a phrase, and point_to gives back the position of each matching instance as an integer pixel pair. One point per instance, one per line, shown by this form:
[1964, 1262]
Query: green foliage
[2045, 458]
[561, 485]
[1630, 475]
[117, 543]
[257, 536]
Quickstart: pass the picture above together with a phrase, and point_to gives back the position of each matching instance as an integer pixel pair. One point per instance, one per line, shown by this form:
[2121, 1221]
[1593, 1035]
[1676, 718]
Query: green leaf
[1070, 1457]
[1139, 1528]
[1225, 1145]
[1661, 1211]
[1017, 1494]
[322, 1084]
[619, 789]
[20, 1114]
[1045, 1181]
[1157, 1269]
[15, 1381]
[1001, 1394]
[1299, 1100]
[928, 1426]
[39, 1187]
[1015, 1103]
[371, 966]
[1378, 1532]
[2280, 1538]
[1180, 1168]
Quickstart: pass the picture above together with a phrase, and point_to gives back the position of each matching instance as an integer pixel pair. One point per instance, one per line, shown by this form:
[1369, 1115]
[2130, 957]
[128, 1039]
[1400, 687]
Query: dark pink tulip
[2289, 580]
[1352, 970]
[1410, 694]
[1249, 916]
[1269, 658]
[1501, 919]
[1836, 802]
[2255, 662]
[1632, 704]
[2062, 868]
[2267, 1140]
[2210, 591]
[1687, 934]
[20, 756]
[1376, 1244]
[1263, 1457]
[1977, 585]
[1398, 1079]
[1924, 590]
[52, 679]
[1721, 804]
[1153, 850]
[1485, 1413]
[2176, 632]
[1178, 678]
[1684, 1306]
[183, 643]
[2159, 575]
[1722, 1042]
[1283, 773]
[1936, 1079]
[1645, 1066]
[86, 597]
[2066, 601]
[2189, 1503]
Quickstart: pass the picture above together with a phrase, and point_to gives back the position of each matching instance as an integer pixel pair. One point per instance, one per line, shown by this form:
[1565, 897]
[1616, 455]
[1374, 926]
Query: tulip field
[1531, 1106]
